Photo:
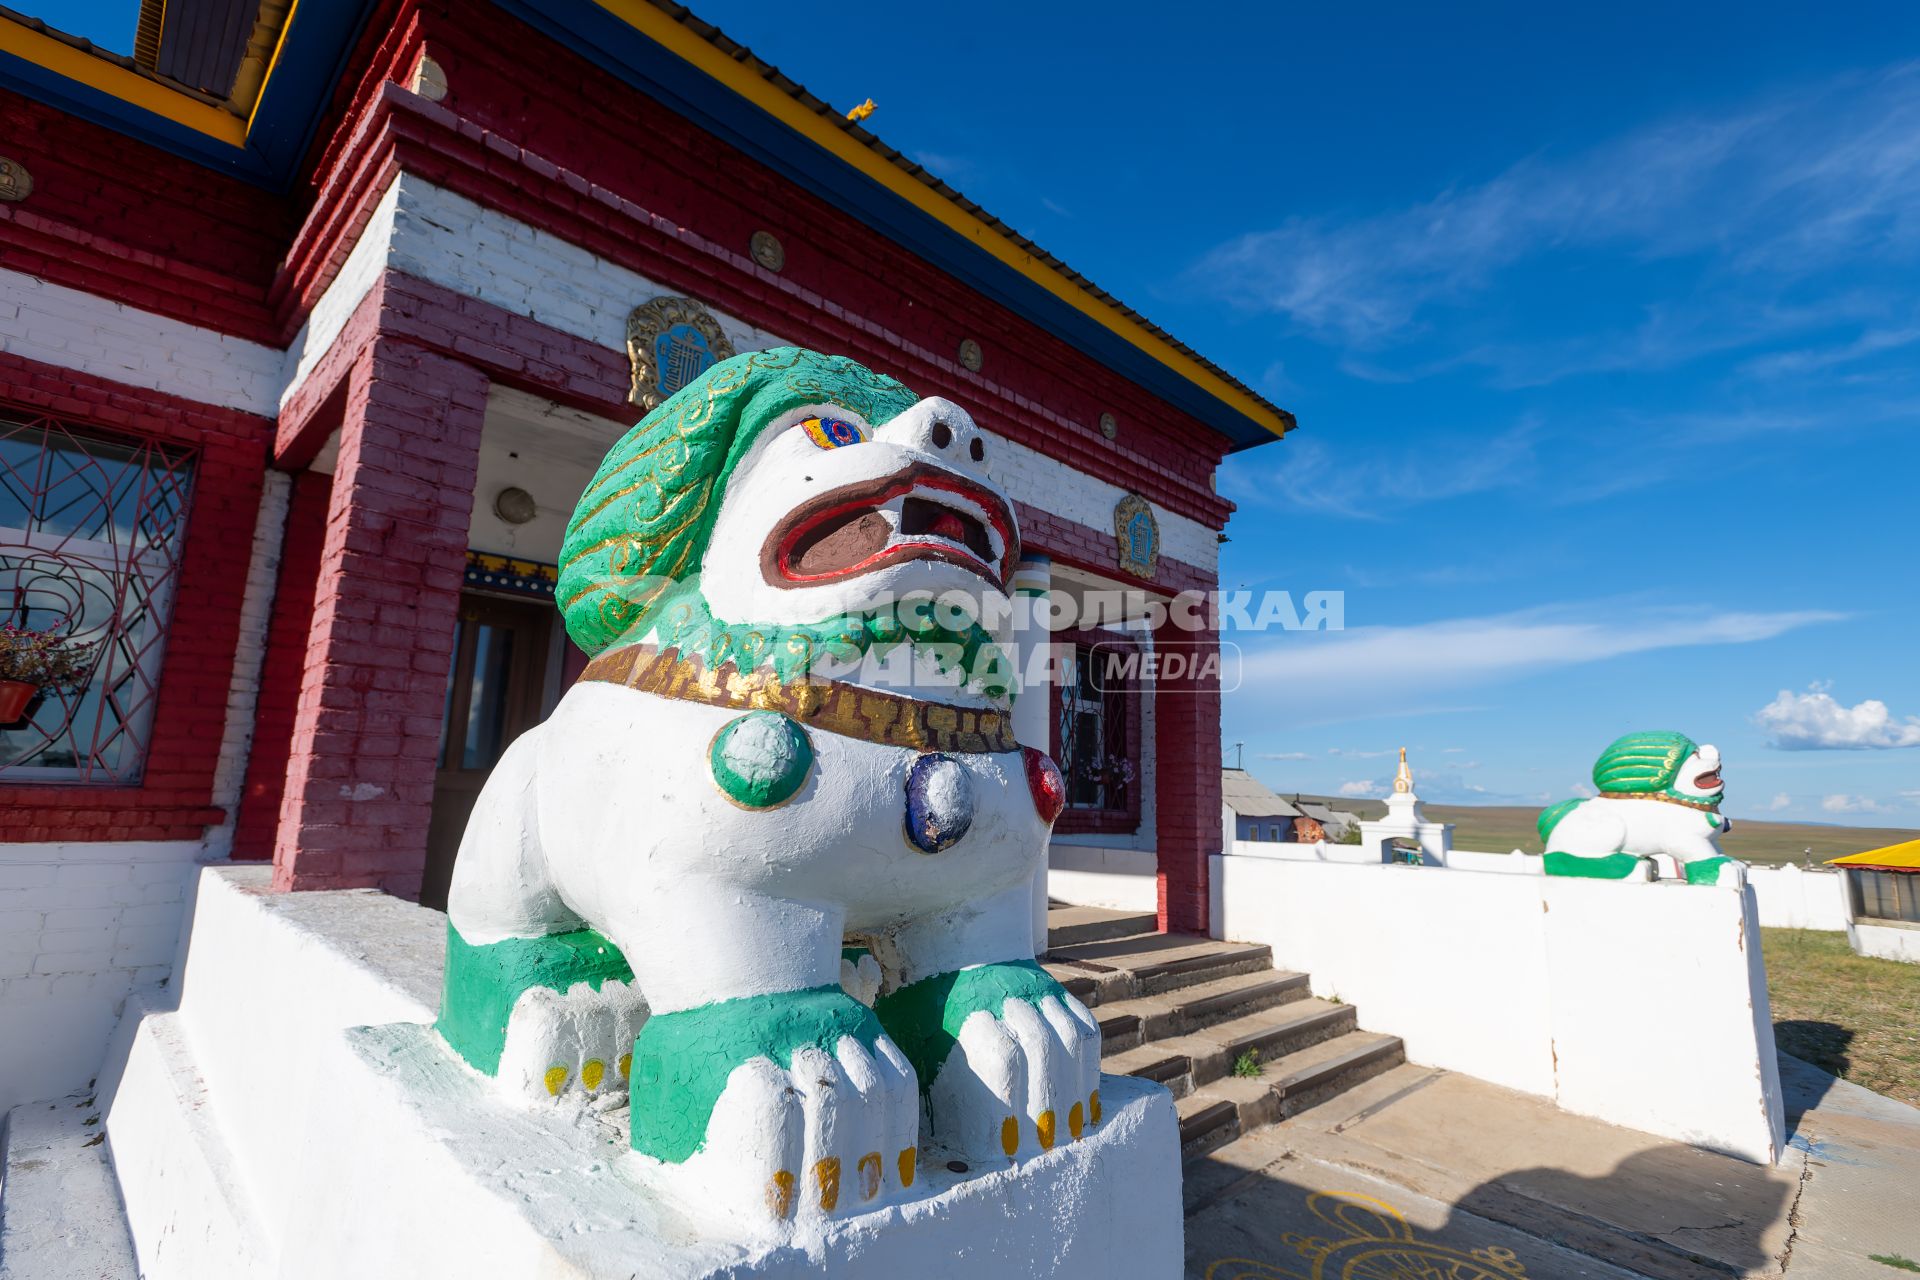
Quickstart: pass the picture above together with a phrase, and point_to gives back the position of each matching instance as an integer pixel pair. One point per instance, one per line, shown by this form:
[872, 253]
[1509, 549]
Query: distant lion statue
[1657, 814]
[675, 888]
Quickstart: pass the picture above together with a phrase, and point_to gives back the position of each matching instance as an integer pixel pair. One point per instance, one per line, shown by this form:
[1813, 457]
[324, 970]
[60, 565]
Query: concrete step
[60, 1212]
[1125, 1024]
[1269, 1034]
[1155, 1062]
[1217, 1113]
[1151, 964]
[1067, 926]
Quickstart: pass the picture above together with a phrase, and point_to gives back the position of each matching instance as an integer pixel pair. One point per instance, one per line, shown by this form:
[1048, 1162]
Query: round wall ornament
[765, 248]
[15, 182]
[515, 505]
[1109, 425]
[670, 342]
[971, 355]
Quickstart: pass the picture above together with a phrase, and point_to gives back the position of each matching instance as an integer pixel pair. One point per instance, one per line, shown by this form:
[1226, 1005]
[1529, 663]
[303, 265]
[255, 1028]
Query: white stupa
[1404, 821]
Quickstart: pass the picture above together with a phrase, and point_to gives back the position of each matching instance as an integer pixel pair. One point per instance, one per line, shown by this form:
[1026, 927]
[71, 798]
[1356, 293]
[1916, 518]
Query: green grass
[1247, 1065]
[1896, 1261]
[1854, 1016]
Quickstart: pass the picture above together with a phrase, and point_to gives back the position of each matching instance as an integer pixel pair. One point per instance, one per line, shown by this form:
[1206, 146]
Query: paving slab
[1471, 1167]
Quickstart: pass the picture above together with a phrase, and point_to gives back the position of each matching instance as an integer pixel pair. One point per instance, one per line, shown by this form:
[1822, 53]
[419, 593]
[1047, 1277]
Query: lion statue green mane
[630, 565]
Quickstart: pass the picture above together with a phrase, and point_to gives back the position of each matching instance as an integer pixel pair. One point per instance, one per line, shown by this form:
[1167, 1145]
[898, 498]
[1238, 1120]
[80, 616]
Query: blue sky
[1601, 324]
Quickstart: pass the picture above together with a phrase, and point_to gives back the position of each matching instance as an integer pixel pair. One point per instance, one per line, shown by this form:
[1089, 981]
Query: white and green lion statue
[1657, 816]
[687, 887]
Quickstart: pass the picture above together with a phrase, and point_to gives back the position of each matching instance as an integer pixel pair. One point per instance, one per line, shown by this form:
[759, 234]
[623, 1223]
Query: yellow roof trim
[116, 81]
[1906, 854]
[690, 47]
[273, 62]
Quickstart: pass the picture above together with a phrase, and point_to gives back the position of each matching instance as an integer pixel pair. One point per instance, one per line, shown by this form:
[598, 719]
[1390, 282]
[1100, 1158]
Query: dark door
[494, 689]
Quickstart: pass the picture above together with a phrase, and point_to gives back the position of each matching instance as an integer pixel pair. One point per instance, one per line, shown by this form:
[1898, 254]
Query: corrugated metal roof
[1247, 796]
[201, 41]
[1898, 857]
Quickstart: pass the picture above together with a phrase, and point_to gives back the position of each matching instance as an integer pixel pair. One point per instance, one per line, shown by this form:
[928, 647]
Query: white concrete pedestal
[296, 1117]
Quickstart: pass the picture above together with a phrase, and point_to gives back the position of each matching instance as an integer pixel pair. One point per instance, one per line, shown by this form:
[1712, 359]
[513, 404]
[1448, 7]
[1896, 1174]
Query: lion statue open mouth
[674, 889]
[1657, 812]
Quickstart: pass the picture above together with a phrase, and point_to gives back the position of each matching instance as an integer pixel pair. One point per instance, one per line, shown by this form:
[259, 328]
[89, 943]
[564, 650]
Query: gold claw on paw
[826, 1176]
[556, 1079]
[1076, 1120]
[1010, 1135]
[592, 1073]
[1093, 1107]
[907, 1158]
[870, 1175]
[780, 1194]
[1046, 1127]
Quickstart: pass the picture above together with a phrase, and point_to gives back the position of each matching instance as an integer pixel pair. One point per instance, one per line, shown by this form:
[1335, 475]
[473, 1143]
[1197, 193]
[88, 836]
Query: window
[1885, 895]
[90, 537]
[1273, 832]
[1096, 734]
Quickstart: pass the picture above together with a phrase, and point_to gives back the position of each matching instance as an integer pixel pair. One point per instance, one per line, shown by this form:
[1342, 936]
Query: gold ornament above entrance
[670, 342]
[1137, 533]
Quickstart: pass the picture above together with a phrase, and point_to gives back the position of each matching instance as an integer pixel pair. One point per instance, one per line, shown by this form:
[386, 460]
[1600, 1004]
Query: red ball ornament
[1048, 787]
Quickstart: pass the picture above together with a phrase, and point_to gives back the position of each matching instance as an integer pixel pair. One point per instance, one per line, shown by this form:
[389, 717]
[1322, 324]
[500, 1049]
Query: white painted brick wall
[256, 606]
[330, 313]
[77, 330]
[459, 245]
[82, 926]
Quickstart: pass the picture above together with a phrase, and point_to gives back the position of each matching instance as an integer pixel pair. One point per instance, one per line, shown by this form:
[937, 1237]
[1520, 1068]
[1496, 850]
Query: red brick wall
[283, 666]
[360, 776]
[1187, 795]
[131, 222]
[174, 798]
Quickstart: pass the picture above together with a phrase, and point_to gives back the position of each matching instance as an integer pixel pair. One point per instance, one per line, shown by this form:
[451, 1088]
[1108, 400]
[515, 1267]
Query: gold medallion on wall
[670, 342]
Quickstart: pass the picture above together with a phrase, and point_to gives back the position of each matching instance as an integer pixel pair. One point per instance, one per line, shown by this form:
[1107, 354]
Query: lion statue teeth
[779, 904]
[1657, 814]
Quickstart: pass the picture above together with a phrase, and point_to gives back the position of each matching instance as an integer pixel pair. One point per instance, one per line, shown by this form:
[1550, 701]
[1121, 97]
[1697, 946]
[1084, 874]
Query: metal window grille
[1093, 731]
[91, 531]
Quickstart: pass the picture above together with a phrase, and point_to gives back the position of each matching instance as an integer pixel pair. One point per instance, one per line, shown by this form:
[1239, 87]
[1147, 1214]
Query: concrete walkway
[1424, 1175]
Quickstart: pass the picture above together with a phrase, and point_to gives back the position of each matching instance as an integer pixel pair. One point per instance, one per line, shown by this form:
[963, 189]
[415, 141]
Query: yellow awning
[1905, 856]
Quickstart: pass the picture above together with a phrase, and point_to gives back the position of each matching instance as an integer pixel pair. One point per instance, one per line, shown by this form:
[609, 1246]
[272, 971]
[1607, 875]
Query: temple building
[315, 321]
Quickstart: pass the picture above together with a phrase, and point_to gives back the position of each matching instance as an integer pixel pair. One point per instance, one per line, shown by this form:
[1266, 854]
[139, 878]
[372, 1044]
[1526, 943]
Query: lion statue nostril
[942, 435]
[976, 450]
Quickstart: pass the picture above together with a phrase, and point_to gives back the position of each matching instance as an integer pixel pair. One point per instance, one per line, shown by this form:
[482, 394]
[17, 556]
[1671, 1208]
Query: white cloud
[1780, 801]
[1365, 661]
[1776, 191]
[1309, 476]
[1851, 804]
[1359, 755]
[1816, 721]
[1362, 788]
[1286, 755]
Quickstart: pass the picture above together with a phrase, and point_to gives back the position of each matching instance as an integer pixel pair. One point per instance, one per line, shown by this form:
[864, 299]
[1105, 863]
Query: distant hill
[1498, 828]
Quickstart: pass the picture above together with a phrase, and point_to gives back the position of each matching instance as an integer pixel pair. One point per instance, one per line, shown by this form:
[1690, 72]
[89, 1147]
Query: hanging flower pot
[36, 662]
[14, 697]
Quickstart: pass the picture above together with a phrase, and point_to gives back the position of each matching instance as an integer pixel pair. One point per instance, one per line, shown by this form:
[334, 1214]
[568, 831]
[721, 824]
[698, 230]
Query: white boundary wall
[1885, 941]
[1643, 1005]
[1790, 897]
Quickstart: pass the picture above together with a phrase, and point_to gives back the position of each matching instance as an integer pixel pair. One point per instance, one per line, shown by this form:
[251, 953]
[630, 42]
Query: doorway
[496, 689]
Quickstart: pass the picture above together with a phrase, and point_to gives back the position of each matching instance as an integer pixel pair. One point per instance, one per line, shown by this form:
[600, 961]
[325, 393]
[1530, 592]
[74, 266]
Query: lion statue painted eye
[1657, 814]
[732, 826]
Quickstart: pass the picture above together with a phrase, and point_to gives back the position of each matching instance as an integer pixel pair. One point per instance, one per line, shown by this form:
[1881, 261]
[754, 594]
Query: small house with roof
[1883, 901]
